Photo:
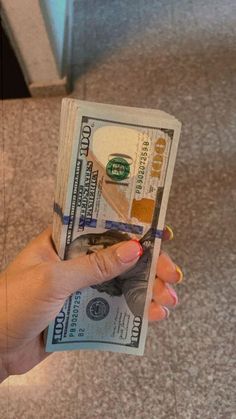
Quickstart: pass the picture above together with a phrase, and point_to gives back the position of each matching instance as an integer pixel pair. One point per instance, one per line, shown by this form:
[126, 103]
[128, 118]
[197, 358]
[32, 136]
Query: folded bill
[115, 169]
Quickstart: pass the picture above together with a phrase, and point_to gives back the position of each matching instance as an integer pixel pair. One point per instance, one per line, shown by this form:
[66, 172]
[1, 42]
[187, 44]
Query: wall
[28, 26]
[54, 13]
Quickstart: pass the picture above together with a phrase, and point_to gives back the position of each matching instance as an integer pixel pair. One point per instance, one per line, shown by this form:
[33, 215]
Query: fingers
[167, 270]
[164, 294]
[157, 312]
[96, 268]
[168, 233]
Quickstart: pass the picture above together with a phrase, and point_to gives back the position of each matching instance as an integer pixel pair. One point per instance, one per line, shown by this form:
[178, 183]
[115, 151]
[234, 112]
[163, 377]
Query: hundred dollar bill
[114, 175]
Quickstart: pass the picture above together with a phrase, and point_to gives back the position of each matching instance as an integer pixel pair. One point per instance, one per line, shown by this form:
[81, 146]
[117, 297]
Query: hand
[163, 294]
[36, 284]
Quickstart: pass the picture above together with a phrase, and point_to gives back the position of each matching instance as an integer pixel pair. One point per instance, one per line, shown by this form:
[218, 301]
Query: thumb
[99, 267]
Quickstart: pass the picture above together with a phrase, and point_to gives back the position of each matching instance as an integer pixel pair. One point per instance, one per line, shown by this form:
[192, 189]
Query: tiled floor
[179, 56]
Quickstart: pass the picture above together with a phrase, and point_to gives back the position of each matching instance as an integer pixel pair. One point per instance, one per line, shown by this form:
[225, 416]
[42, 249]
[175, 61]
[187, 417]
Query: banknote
[119, 175]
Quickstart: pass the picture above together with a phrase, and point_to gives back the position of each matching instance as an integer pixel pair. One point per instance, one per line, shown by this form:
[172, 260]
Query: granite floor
[179, 56]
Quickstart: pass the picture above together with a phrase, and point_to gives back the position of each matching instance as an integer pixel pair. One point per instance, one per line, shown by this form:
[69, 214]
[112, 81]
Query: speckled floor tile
[31, 130]
[44, 392]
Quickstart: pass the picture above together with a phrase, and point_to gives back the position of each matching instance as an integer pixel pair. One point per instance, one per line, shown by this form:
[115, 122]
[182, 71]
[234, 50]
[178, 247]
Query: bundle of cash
[115, 170]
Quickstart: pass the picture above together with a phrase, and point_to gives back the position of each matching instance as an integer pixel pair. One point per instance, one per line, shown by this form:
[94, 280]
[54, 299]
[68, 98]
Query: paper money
[114, 175]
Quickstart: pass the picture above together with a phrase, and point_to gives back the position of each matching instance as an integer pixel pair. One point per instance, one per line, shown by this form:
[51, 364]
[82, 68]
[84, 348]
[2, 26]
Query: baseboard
[54, 88]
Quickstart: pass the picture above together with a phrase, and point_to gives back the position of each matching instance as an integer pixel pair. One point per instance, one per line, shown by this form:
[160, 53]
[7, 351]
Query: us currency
[119, 180]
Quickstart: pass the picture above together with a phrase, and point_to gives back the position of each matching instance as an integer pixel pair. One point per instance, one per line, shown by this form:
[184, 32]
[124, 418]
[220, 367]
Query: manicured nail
[170, 232]
[129, 251]
[167, 312]
[180, 273]
[173, 294]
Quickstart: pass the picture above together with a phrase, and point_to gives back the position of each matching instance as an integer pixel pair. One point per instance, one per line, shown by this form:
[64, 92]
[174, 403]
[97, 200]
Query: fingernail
[167, 312]
[180, 273]
[170, 232]
[129, 251]
[173, 294]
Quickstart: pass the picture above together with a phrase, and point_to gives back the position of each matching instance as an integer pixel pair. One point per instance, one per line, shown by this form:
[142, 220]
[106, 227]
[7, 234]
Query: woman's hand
[164, 295]
[36, 284]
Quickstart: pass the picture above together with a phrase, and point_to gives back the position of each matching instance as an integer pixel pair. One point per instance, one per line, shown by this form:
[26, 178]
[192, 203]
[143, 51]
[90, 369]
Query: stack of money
[115, 168]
